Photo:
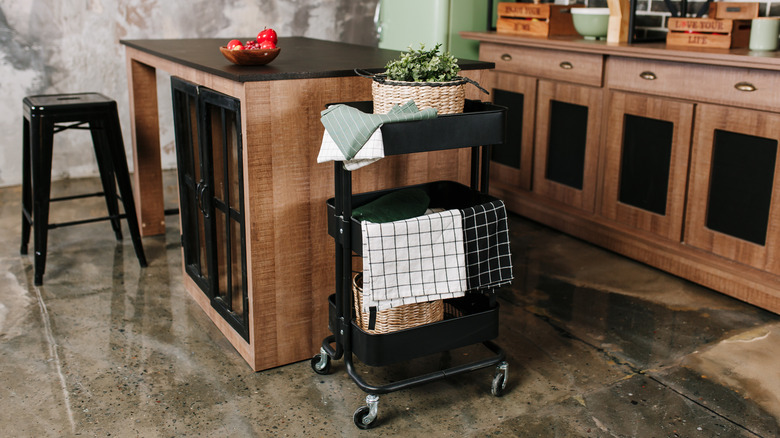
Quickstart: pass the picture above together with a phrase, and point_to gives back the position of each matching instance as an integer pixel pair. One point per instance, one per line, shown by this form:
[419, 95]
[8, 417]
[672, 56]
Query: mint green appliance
[404, 23]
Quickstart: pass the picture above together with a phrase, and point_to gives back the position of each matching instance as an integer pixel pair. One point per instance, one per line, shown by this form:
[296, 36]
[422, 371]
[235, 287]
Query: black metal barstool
[47, 115]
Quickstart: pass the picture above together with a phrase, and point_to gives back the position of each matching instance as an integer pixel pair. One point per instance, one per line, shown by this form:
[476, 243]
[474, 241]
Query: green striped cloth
[350, 128]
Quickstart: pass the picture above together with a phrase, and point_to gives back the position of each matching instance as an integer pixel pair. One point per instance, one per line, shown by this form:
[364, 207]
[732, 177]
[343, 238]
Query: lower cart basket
[395, 318]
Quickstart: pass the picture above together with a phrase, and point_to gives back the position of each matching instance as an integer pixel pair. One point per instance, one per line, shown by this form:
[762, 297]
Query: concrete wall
[63, 46]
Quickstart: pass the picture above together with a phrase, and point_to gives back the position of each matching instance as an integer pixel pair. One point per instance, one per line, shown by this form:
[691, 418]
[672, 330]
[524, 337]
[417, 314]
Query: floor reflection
[598, 345]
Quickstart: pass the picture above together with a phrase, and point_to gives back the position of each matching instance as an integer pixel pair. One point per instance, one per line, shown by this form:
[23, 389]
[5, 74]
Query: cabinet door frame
[590, 97]
[214, 100]
[195, 246]
[680, 114]
[743, 121]
[525, 85]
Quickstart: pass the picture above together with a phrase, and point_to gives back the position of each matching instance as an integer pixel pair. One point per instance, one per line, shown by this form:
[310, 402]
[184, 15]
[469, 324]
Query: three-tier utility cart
[468, 320]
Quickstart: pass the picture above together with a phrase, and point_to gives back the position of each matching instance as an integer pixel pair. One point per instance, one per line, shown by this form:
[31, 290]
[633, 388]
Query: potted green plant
[428, 77]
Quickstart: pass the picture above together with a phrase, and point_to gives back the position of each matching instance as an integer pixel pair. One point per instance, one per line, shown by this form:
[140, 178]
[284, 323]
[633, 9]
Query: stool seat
[66, 101]
[46, 115]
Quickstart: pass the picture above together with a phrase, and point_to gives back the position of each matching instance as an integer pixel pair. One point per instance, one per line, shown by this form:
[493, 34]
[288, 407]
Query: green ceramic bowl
[591, 23]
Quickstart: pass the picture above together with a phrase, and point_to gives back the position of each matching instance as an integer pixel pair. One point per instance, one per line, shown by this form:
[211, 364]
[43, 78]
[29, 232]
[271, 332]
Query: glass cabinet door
[192, 182]
[209, 152]
[221, 121]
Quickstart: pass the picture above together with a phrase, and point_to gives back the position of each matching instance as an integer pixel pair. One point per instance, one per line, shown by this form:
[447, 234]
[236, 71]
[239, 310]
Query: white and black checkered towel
[488, 256]
[414, 260]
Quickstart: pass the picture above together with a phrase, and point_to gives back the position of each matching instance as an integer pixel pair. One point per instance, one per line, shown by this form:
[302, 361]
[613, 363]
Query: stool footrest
[85, 195]
[86, 221]
[78, 125]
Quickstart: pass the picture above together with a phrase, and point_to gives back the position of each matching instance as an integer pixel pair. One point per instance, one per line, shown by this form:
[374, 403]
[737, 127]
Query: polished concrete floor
[598, 346]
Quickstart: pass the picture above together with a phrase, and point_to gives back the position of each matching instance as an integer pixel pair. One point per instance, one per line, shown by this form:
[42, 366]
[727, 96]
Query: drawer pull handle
[506, 57]
[566, 65]
[745, 86]
[648, 75]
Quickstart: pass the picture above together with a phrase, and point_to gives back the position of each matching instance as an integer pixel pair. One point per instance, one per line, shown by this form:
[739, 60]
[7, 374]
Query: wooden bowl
[250, 57]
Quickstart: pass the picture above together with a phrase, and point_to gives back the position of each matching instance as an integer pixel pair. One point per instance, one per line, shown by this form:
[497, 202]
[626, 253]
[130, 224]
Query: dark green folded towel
[394, 206]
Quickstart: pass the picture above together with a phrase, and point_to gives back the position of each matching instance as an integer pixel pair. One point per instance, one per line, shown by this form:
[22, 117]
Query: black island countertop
[300, 58]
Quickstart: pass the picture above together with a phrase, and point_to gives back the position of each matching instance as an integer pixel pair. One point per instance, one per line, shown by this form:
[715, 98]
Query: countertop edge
[245, 76]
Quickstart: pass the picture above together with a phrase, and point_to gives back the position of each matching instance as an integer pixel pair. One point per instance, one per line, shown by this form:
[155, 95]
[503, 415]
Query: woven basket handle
[476, 84]
[373, 76]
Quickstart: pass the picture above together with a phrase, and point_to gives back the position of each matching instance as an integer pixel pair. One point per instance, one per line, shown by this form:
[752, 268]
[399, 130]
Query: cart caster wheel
[365, 416]
[499, 380]
[498, 386]
[361, 418]
[320, 363]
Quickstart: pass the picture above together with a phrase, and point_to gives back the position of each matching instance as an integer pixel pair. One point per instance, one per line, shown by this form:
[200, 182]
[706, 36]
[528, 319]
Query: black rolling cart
[468, 320]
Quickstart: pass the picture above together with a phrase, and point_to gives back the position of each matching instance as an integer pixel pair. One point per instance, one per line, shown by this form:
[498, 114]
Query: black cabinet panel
[645, 162]
[509, 152]
[566, 149]
[741, 179]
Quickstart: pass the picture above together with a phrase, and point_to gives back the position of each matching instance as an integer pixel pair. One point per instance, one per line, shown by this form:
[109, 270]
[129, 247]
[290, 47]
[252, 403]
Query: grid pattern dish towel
[486, 235]
[413, 261]
[350, 128]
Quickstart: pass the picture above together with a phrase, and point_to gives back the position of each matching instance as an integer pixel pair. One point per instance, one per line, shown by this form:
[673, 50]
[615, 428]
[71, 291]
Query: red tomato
[233, 43]
[267, 45]
[267, 34]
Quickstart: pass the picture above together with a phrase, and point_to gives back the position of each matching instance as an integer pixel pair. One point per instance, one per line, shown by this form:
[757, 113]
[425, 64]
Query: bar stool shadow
[46, 115]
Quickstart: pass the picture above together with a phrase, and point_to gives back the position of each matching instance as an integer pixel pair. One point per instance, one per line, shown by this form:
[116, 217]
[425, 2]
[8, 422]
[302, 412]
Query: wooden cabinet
[208, 150]
[646, 162]
[567, 143]
[553, 125]
[511, 163]
[664, 155]
[734, 196]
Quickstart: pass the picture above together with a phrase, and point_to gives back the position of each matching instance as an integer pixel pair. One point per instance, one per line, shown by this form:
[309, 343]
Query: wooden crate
[733, 10]
[708, 32]
[531, 19]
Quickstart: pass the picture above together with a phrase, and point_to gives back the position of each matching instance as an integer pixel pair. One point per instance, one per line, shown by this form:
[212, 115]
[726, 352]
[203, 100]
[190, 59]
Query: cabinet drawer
[580, 68]
[733, 86]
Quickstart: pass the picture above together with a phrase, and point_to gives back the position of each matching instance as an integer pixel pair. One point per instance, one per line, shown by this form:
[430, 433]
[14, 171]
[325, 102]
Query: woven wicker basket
[446, 97]
[396, 318]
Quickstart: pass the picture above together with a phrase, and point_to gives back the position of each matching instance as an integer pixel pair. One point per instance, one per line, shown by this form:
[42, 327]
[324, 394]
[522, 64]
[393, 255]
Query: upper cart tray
[480, 124]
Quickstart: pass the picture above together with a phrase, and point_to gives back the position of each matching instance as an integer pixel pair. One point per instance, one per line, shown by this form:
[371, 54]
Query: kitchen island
[258, 260]
[668, 155]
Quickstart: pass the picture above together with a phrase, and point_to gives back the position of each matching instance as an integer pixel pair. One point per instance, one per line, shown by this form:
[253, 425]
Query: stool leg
[105, 168]
[117, 156]
[27, 204]
[42, 141]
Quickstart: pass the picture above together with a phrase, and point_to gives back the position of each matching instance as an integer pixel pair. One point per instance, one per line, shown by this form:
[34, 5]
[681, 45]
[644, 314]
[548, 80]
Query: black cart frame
[480, 126]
